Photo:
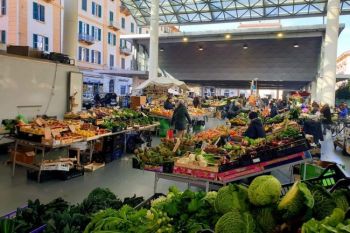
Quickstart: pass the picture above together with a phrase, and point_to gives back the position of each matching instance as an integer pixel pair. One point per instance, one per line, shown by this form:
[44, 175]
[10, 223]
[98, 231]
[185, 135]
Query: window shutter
[99, 34]
[35, 41]
[42, 13]
[92, 56]
[99, 57]
[114, 40]
[84, 5]
[46, 46]
[93, 31]
[87, 29]
[87, 55]
[35, 10]
[80, 27]
[79, 53]
[93, 8]
[99, 11]
[111, 17]
[3, 37]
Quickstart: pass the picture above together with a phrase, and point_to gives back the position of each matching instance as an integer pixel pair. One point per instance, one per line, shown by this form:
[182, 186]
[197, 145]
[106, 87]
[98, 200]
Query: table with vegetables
[222, 155]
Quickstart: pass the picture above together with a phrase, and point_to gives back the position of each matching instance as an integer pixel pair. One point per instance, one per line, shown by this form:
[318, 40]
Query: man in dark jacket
[168, 105]
[255, 129]
[273, 110]
[180, 119]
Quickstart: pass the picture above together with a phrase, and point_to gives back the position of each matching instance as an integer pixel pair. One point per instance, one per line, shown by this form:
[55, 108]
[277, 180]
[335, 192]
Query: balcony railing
[113, 25]
[125, 50]
[86, 38]
[124, 10]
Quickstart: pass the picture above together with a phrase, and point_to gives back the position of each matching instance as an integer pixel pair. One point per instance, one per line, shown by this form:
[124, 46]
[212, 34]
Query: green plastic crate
[163, 127]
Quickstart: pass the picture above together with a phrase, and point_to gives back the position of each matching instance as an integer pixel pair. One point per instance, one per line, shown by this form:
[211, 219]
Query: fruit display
[212, 134]
[154, 155]
[197, 112]
[160, 111]
[239, 121]
[274, 120]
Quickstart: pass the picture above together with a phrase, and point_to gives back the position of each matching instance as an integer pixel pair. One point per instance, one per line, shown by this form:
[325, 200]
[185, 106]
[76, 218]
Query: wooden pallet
[93, 167]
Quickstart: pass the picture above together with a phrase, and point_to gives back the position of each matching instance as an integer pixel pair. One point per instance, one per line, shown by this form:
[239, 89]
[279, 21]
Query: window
[95, 57]
[96, 33]
[83, 54]
[123, 90]
[84, 28]
[3, 37]
[111, 16]
[111, 86]
[3, 7]
[96, 9]
[123, 22]
[112, 39]
[40, 42]
[122, 43]
[132, 27]
[38, 12]
[123, 63]
[84, 5]
[140, 30]
[111, 60]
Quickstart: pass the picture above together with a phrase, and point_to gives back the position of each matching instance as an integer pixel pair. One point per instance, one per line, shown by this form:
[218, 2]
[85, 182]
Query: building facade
[39, 24]
[343, 63]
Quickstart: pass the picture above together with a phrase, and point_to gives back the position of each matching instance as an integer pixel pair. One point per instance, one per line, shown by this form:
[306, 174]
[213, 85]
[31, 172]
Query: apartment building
[343, 63]
[39, 24]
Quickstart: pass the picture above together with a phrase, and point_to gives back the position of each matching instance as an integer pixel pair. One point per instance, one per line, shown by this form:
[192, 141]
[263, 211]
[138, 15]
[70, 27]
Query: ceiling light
[245, 46]
[200, 48]
[296, 45]
[185, 39]
[280, 35]
[161, 49]
[227, 36]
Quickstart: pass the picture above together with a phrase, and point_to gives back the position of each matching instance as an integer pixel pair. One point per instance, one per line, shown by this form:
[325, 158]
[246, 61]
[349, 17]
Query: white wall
[31, 85]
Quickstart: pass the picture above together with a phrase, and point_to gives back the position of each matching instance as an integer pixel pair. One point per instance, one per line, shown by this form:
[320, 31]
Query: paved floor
[118, 176]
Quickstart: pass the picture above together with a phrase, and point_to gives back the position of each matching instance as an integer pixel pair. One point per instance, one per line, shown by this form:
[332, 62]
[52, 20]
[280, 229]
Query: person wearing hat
[255, 129]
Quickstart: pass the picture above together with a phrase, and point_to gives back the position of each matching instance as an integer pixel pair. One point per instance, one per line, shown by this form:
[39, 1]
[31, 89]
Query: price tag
[204, 145]
[256, 160]
[47, 133]
[39, 121]
[72, 128]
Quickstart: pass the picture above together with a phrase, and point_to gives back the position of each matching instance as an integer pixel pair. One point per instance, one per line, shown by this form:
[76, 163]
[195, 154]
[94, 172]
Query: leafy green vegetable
[341, 199]
[231, 197]
[296, 201]
[335, 218]
[332, 223]
[7, 225]
[264, 190]
[235, 222]
[266, 218]
[324, 203]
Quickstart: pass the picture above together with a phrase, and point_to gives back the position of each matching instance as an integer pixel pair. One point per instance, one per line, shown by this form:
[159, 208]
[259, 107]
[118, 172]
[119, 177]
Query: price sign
[47, 133]
[71, 128]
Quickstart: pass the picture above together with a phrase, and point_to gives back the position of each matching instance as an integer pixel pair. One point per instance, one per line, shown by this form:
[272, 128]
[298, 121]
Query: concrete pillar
[154, 40]
[70, 28]
[330, 53]
[313, 87]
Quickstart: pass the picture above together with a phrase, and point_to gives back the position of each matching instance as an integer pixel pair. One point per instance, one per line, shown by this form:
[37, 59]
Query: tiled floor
[118, 176]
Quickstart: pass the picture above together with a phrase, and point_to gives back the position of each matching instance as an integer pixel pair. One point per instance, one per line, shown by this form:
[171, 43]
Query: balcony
[124, 10]
[125, 51]
[113, 25]
[86, 38]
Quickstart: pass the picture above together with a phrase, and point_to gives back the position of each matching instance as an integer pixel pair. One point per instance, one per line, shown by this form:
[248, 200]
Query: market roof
[182, 12]
[209, 58]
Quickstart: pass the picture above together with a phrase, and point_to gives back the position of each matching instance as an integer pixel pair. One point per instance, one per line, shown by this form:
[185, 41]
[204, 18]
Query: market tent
[165, 81]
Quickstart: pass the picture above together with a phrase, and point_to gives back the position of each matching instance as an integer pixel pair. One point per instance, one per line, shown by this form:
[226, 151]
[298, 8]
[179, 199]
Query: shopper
[255, 129]
[273, 110]
[343, 111]
[180, 118]
[168, 105]
[327, 118]
[196, 102]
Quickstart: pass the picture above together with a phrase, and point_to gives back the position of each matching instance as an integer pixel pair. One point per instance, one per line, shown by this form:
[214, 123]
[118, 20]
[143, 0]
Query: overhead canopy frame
[181, 12]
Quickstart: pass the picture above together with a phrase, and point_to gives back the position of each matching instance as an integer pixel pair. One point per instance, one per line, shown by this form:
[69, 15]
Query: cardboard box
[137, 101]
[24, 51]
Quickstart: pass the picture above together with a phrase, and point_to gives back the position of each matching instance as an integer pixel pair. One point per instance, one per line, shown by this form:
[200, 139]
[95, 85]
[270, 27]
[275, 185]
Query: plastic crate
[328, 179]
[310, 171]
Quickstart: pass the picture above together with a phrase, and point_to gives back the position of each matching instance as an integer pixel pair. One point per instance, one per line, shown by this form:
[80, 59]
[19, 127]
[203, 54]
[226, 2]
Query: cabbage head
[264, 190]
[297, 201]
[340, 197]
[265, 218]
[235, 222]
[231, 197]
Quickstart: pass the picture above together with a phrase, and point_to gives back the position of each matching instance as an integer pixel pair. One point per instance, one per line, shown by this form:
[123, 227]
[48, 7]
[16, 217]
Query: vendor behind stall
[180, 118]
[273, 110]
[255, 129]
[168, 105]
[196, 102]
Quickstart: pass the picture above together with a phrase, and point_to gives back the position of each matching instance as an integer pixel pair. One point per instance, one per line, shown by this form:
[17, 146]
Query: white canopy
[165, 81]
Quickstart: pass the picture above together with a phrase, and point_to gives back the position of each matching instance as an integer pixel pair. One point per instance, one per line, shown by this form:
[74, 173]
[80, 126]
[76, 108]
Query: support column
[70, 28]
[327, 93]
[154, 40]
[313, 92]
